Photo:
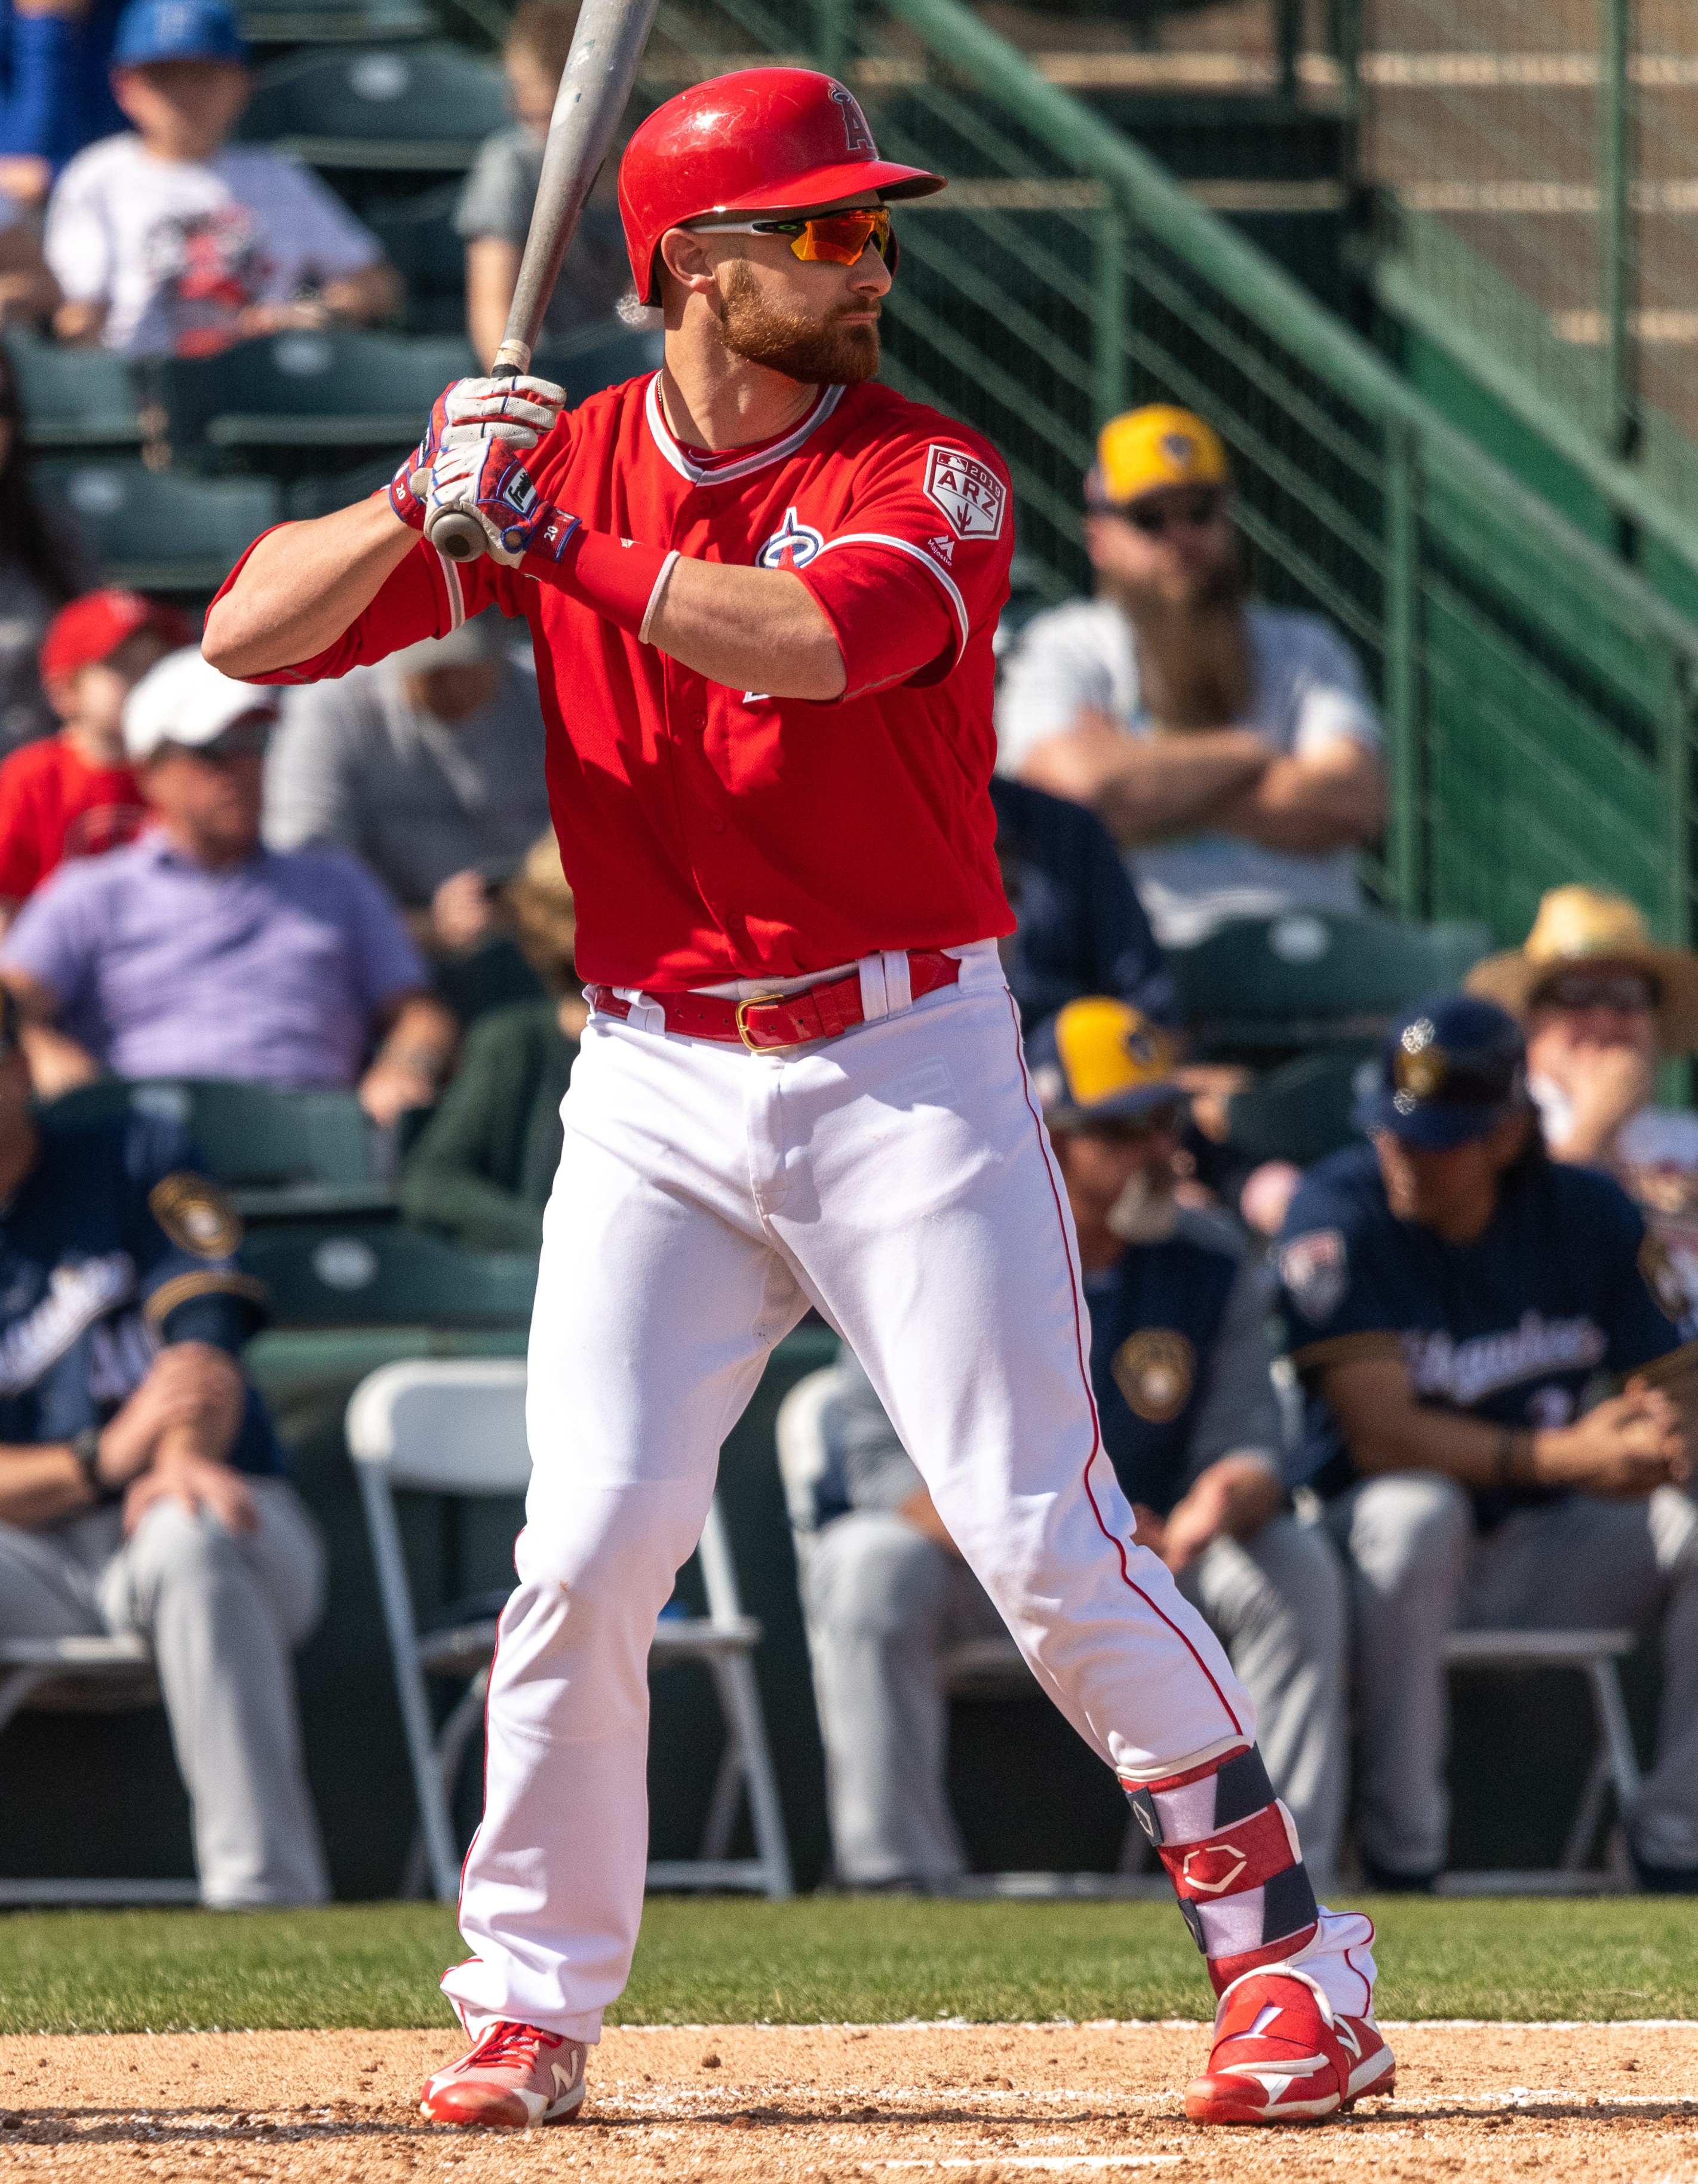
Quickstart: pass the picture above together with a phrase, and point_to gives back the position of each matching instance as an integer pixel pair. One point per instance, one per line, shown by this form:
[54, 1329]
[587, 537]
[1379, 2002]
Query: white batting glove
[517, 410]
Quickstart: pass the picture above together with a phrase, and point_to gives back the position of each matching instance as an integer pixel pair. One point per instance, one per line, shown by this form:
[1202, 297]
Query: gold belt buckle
[756, 1001]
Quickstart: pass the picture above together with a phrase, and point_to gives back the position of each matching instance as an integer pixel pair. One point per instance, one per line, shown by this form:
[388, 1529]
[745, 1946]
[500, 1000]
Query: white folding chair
[1593, 1654]
[457, 1426]
[991, 1668]
[82, 1675]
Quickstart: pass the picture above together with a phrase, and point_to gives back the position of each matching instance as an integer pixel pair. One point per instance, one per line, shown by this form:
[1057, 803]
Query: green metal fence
[1537, 160]
[1540, 698]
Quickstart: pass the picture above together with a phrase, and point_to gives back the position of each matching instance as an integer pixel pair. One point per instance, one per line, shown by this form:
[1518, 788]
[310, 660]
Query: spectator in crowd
[167, 241]
[42, 568]
[483, 1170]
[142, 1484]
[55, 87]
[73, 794]
[1080, 928]
[29, 294]
[494, 210]
[1181, 1368]
[1230, 747]
[195, 952]
[1602, 1005]
[1451, 1295]
[429, 767]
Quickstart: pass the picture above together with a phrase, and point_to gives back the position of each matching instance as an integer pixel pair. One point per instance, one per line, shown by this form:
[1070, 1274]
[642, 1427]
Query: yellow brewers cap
[1142, 450]
[1100, 1060]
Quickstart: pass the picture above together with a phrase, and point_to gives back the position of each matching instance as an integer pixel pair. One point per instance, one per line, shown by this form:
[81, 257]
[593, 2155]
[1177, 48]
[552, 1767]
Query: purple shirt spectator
[273, 972]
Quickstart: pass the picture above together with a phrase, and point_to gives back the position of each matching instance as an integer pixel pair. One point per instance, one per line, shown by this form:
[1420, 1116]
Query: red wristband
[614, 577]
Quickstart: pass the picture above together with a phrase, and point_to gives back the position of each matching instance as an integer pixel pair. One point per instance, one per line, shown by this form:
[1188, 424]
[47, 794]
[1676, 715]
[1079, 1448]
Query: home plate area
[1598, 2102]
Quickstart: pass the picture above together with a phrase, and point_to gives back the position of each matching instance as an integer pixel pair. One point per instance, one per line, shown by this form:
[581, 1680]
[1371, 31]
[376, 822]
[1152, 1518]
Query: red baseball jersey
[710, 833]
[54, 804]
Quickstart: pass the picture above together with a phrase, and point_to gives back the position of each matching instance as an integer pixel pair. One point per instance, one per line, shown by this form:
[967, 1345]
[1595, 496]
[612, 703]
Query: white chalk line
[1177, 2025]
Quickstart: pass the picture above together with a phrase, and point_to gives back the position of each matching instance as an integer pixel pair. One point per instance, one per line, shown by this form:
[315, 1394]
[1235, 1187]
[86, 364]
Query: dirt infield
[1600, 2102]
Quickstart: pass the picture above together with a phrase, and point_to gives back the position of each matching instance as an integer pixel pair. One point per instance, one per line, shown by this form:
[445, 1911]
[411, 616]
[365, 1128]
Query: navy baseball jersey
[114, 1245]
[1079, 926]
[1565, 1284]
[1179, 1360]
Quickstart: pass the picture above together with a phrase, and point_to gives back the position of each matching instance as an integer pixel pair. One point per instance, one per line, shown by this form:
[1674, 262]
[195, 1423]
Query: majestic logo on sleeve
[792, 546]
[857, 137]
[972, 496]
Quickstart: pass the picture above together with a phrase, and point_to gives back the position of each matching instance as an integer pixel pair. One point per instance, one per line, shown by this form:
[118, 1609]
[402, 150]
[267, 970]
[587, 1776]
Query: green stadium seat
[419, 109]
[156, 531]
[309, 391]
[329, 1275]
[419, 240]
[80, 397]
[311, 497]
[1299, 1110]
[600, 356]
[1313, 977]
[299, 1154]
[325, 22]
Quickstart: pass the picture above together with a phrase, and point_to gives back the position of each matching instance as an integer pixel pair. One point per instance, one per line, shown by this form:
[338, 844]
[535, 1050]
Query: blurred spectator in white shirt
[169, 241]
[1230, 747]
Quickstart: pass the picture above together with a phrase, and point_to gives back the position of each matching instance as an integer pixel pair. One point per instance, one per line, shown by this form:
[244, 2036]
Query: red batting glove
[518, 410]
[482, 477]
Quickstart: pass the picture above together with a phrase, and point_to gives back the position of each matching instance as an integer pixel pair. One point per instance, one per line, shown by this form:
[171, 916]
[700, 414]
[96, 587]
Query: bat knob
[458, 537]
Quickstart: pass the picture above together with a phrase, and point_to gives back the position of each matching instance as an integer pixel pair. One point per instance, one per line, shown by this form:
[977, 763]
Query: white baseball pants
[899, 1179]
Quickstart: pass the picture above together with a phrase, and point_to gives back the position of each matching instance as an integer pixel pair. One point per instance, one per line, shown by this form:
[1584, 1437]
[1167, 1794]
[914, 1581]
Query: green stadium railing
[1534, 165]
[1539, 696]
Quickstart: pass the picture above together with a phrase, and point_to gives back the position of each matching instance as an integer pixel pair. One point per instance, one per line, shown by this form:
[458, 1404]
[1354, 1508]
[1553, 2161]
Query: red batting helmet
[759, 140]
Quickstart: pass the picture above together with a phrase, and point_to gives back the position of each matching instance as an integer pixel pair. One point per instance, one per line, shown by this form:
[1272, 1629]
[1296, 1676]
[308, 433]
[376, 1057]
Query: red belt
[768, 1021]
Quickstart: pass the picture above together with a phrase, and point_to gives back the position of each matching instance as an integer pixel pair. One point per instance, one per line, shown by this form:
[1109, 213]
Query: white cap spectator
[185, 700]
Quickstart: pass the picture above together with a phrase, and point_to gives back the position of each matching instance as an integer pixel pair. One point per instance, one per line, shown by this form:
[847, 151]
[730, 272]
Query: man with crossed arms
[762, 590]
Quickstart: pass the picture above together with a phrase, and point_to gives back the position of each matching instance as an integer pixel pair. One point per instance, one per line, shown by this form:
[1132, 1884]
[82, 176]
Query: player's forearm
[747, 629]
[302, 587]
[374, 291]
[40, 1483]
[1308, 809]
[1144, 788]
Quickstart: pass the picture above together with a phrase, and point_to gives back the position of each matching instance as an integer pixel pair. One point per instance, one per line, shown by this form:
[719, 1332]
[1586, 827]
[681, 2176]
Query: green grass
[729, 1961]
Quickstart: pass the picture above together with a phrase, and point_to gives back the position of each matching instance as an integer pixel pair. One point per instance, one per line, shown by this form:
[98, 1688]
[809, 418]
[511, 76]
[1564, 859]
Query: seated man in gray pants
[1181, 1368]
[1453, 1298]
[140, 1477]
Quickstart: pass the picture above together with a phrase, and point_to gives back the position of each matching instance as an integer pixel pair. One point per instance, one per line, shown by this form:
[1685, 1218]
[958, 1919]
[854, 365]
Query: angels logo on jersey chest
[792, 545]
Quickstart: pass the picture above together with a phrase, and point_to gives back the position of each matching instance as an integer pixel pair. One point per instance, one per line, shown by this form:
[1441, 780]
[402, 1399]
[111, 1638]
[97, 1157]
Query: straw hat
[1577, 925]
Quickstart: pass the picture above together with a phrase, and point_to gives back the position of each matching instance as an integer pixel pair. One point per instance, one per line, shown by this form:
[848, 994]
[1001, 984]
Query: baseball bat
[600, 70]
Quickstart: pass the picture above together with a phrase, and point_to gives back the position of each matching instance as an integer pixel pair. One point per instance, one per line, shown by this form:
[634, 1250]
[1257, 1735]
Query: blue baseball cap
[1448, 1072]
[177, 30]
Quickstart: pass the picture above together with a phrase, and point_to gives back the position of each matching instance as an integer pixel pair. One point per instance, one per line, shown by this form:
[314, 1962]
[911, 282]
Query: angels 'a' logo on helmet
[792, 546]
[857, 136]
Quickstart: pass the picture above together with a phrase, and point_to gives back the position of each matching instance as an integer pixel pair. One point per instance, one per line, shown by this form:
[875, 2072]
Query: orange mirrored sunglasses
[831, 238]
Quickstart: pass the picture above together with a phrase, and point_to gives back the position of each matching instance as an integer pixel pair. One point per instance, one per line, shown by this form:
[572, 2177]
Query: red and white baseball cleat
[1282, 2054]
[513, 2077]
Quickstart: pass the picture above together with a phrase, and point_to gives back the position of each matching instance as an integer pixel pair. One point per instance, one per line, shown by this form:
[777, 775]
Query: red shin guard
[1237, 1868]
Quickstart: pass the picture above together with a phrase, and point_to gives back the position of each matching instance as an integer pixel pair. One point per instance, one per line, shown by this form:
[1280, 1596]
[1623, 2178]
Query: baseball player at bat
[762, 590]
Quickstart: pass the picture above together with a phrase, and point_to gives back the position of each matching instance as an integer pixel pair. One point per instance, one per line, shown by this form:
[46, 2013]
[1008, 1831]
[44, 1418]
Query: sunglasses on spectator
[1587, 989]
[240, 739]
[1135, 1129]
[828, 238]
[1192, 512]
